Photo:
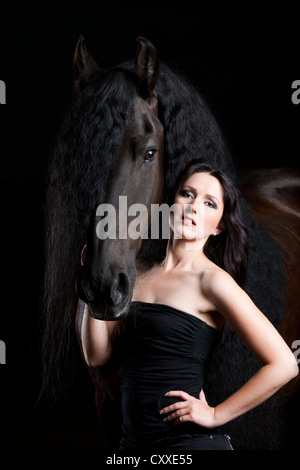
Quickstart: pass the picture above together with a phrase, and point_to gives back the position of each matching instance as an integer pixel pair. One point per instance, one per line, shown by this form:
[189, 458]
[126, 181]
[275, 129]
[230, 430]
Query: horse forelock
[99, 126]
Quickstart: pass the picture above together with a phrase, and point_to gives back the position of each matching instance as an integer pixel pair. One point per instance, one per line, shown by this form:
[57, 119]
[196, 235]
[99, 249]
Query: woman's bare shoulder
[214, 280]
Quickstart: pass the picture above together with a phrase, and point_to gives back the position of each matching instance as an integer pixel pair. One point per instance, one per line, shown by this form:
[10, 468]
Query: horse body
[94, 165]
[274, 196]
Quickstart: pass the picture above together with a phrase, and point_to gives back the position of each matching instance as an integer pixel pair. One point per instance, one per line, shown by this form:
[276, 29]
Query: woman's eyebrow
[212, 197]
[189, 188]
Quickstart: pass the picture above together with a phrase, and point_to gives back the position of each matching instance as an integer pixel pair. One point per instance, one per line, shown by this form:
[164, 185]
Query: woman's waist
[142, 401]
[163, 370]
[146, 388]
[149, 392]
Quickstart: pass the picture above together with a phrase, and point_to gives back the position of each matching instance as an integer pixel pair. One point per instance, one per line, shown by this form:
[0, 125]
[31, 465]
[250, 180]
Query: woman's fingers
[179, 415]
[190, 408]
[174, 407]
[178, 411]
[178, 393]
[181, 404]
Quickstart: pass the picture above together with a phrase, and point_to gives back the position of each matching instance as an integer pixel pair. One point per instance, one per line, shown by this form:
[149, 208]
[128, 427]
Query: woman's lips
[187, 220]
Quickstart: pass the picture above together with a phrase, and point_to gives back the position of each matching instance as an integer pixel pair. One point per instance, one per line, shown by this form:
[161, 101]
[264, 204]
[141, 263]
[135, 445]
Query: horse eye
[150, 155]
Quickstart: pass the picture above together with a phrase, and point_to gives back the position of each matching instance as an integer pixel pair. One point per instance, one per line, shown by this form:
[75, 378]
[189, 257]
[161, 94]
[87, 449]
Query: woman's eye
[211, 204]
[150, 155]
[186, 194]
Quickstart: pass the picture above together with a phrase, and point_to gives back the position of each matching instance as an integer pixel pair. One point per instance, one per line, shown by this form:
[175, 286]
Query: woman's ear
[220, 228]
[217, 231]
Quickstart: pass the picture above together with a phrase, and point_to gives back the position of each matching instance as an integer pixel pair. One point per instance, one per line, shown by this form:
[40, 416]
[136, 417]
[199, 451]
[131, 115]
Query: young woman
[178, 311]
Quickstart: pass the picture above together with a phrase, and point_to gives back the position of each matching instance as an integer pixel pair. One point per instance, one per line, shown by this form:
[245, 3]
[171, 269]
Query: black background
[242, 58]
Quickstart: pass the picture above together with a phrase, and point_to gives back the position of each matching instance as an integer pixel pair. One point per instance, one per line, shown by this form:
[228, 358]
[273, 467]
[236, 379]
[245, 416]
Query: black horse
[131, 131]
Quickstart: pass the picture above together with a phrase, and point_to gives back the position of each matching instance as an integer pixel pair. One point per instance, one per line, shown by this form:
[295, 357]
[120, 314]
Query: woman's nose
[189, 209]
[193, 208]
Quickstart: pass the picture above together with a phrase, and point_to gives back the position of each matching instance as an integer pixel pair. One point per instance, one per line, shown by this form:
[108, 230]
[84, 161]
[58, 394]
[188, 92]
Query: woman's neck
[185, 255]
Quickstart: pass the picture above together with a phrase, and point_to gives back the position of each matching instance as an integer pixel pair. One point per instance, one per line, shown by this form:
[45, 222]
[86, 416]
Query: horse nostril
[123, 283]
[120, 288]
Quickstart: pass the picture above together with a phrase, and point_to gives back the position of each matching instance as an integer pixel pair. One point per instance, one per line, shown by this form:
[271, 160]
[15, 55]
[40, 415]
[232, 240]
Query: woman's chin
[188, 232]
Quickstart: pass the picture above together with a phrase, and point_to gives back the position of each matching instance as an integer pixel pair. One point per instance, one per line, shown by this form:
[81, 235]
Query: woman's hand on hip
[191, 409]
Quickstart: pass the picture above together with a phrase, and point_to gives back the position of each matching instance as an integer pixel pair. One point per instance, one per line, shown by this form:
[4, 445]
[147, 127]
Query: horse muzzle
[109, 300]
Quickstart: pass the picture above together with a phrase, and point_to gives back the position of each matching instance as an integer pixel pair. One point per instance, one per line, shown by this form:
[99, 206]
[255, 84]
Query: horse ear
[84, 65]
[146, 63]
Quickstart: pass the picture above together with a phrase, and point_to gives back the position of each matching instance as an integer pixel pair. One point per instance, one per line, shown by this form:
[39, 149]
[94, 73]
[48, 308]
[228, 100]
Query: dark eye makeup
[190, 194]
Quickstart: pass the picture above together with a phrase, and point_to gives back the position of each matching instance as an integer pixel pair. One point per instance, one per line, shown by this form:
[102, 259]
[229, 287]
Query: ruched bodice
[167, 350]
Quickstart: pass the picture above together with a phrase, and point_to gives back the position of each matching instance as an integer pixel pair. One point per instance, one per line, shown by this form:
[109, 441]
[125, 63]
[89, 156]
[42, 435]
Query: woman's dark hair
[229, 249]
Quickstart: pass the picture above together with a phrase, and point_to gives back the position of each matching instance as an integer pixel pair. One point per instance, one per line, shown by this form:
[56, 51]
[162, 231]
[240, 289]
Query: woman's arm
[96, 336]
[263, 340]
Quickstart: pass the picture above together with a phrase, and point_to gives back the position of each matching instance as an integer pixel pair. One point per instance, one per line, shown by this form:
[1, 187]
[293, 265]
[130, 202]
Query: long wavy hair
[229, 249]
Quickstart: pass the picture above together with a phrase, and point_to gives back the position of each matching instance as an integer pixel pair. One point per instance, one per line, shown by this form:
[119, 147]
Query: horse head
[129, 140]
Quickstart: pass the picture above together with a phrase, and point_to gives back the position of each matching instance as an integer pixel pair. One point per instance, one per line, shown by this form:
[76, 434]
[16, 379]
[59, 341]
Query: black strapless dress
[167, 350]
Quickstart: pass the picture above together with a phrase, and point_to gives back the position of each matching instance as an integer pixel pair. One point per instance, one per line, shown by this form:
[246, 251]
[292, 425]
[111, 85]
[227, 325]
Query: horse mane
[80, 171]
[191, 131]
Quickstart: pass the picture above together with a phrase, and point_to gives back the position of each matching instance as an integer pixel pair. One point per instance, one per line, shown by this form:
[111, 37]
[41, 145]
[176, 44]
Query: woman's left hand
[190, 409]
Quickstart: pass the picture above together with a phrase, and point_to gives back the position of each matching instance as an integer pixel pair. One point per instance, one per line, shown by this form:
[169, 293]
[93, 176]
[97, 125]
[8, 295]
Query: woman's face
[199, 208]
